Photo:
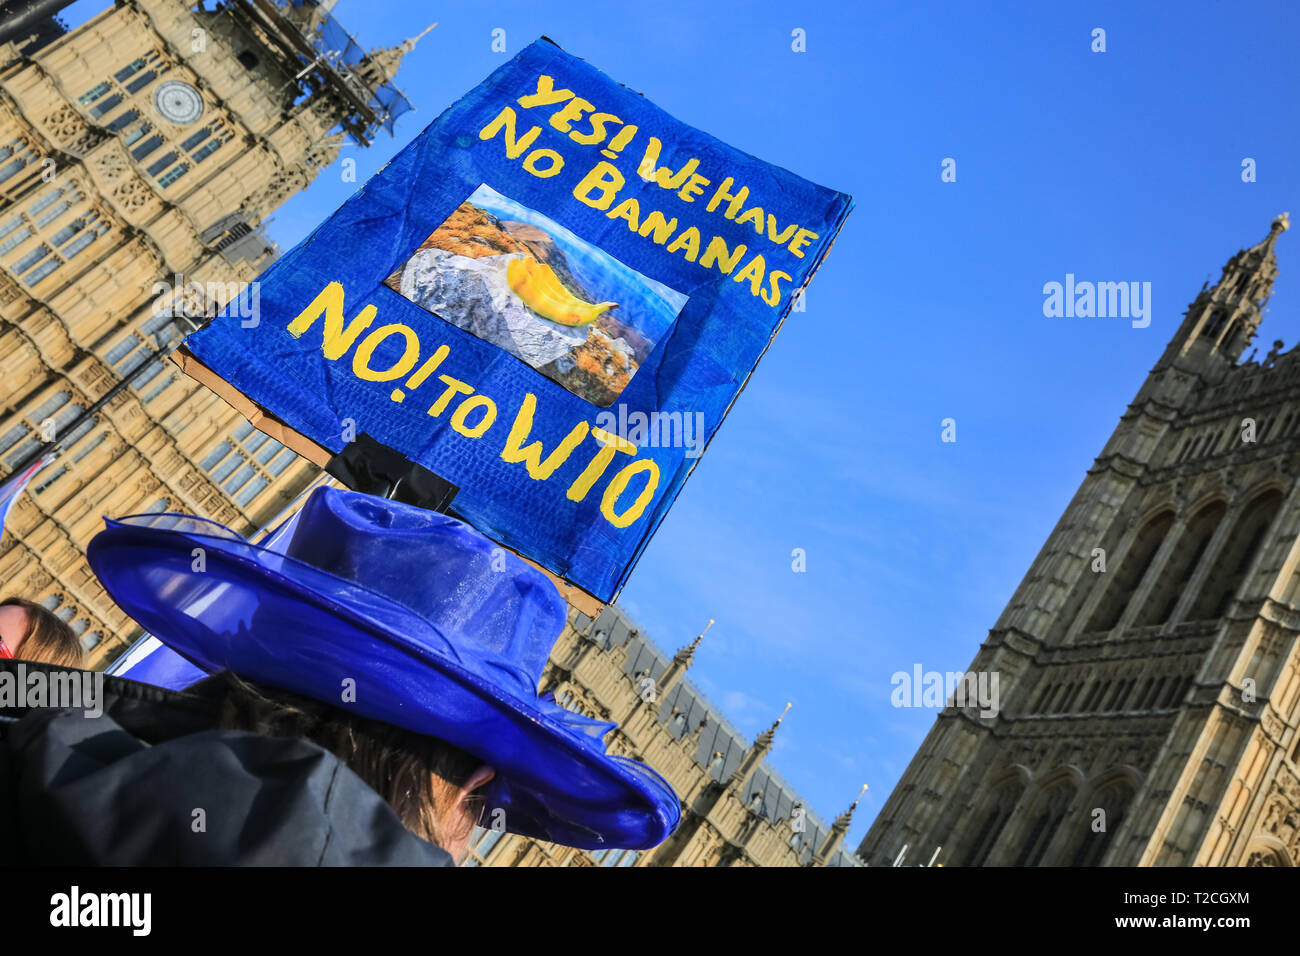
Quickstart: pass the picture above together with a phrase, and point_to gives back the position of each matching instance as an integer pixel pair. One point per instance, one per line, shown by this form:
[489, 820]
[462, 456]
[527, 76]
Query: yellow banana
[546, 280]
[541, 290]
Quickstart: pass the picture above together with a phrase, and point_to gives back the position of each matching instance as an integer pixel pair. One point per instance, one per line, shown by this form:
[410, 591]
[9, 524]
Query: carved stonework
[324, 154]
[37, 582]
[1272, 724]
[1263, 858]
[132, 195]
[1282, 815]
[65, 124]
[70, 132]
[1288, 465]
[283, 184]
[9, 291]
[1229, 482]
[111, 165]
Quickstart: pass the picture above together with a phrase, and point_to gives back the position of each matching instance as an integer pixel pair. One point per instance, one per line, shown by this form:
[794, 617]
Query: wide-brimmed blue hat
[401, 615]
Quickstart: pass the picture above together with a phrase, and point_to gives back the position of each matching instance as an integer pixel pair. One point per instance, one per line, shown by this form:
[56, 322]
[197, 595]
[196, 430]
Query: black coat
[152, 782]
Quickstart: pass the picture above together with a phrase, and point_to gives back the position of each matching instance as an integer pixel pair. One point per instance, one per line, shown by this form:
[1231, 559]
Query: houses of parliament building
[1148, 662]
[140, 155]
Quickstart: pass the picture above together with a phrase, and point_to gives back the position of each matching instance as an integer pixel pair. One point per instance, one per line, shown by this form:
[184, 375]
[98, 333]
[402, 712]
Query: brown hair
[417, 775]
[48, 640]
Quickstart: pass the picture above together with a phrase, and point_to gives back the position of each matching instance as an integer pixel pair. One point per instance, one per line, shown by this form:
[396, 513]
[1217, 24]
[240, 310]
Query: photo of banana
[540, 289]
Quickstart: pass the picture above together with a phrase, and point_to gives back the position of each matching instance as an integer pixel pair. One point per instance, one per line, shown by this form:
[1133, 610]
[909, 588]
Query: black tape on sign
[366, 465]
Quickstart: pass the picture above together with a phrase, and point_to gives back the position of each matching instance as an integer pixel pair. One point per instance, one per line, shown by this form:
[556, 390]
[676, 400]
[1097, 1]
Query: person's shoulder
[91, 792]
[305, 804]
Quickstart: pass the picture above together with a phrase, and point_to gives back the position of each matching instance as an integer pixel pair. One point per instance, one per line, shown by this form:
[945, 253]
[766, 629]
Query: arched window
[19, 167]
[1094, 695]
[1178, 688]
[1226, 439]
[1132, 569]
[1156, 694]
[1122, 692]
[1180, 567]
[1230, 336]
[1217, 319]
[23, 438]
[1037, 707]
[89, 446]
[47, 477]
[994, 821]
[1145, 698]
[1099, 829]
[1238, 555]
[1047, 817]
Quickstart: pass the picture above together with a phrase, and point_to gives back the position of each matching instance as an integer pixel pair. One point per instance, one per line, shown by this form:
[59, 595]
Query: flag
[13, 486]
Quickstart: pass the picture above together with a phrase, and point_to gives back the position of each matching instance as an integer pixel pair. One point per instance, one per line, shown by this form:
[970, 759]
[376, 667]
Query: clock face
[178, 102]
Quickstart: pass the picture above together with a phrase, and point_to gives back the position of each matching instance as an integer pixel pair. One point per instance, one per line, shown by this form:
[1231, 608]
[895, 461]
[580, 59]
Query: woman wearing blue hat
[375, 697]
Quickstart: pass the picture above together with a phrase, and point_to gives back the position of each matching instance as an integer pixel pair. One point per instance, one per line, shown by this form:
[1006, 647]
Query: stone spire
[838, 830]
[684, 656]
[1224, 318]
[681, 661]
[699, 729]
[764, 740]
[381, 65]
[710, 795]
[844, 819]
[762, 744]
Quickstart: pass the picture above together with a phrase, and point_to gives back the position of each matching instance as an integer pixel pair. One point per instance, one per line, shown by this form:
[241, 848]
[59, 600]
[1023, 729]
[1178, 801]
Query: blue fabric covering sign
[550, 298]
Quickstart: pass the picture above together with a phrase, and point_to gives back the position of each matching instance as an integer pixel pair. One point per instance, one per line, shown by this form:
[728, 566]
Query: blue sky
[1115, 166]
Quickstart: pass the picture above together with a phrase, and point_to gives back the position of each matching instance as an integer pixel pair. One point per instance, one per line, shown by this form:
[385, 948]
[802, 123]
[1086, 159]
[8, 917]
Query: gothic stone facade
[143, 148]
[736, 810]
[109, 188]
[1149, 710]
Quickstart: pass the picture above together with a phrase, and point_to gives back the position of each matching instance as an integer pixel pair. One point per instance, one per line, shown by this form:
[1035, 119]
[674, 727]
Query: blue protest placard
[550, 298]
